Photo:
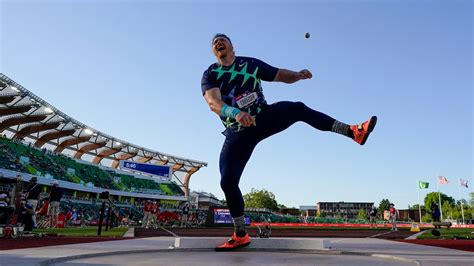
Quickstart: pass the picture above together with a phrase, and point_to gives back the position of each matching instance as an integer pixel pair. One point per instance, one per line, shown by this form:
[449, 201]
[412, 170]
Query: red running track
[35, 242]
[466, 245]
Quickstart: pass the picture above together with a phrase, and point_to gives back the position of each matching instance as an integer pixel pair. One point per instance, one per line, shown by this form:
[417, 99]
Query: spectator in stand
[124, 221]
[194, 220]
[33, 191]
[131, 217]
[184, 215]
[3, 200]
[54, 199]
[42, 214]
[393, 216]
[26, 215]
[6, 211]
[154, 211]
[74, 215]
[81, 217]
[146, 214]
[61, 218]
[373, 217]
[158, 212]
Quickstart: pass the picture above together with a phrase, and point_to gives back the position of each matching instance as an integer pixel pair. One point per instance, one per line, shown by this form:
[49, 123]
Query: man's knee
[293, 106]
[297, 108]
[300, 105]
[288, 105]
[227, 185]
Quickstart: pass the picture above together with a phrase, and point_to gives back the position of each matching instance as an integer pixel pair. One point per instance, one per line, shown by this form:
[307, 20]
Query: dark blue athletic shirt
[240, 85]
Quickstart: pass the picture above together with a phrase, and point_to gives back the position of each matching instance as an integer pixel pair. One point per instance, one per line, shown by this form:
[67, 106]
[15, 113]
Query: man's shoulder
[211, 66]
[240, 59]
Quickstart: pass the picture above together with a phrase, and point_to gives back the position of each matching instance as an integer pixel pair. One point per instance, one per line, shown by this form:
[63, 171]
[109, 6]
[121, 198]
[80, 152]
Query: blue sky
[132, 69]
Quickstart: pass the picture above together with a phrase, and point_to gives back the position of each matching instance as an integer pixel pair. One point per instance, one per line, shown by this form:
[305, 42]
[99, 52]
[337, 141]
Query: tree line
[450, 207]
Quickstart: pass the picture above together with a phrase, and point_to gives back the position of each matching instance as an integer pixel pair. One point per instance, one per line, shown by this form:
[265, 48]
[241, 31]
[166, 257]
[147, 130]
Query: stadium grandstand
[36, 139]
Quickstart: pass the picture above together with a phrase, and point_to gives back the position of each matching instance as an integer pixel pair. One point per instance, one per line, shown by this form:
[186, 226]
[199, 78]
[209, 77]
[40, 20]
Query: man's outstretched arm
[214, 100]
[288, 76]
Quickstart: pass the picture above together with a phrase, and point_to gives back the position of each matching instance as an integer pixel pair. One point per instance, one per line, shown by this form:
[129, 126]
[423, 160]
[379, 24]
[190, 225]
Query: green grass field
[453, 233]
[83, 231]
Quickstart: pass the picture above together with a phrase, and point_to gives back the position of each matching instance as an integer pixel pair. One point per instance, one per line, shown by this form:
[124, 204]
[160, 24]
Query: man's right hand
[245, 119]
[305, 74]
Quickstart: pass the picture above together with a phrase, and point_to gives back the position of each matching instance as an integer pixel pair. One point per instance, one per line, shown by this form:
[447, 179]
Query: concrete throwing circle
[232, 258]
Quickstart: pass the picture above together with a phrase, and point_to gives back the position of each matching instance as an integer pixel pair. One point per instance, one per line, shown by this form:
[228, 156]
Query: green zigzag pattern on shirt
[234, 73]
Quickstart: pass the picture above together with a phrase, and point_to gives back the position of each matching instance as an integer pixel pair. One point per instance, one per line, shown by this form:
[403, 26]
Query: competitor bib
[246, 100]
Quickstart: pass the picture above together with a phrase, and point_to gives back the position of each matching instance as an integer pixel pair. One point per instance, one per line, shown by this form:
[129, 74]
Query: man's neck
[226, 61]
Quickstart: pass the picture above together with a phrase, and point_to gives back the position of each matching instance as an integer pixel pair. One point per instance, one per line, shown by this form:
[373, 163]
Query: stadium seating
[17, 156]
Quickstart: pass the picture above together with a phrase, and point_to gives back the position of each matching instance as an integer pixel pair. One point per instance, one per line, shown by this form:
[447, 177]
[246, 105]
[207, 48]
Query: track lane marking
[166, 230]
[381, 234]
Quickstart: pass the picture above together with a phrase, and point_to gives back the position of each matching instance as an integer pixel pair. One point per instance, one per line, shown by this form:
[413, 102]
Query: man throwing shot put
[232, 88]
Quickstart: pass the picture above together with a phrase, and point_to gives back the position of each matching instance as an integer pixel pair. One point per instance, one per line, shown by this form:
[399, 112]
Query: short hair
[220, 35]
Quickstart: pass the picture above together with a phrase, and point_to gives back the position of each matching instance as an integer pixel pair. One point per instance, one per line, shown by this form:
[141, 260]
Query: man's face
[221, 47]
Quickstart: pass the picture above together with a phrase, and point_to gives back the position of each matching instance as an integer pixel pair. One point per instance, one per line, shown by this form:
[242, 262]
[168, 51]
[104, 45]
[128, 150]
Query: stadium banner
[222, 216]
[152, 169]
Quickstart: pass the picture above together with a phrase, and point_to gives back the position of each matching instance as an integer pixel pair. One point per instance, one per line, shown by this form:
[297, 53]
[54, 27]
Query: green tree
[432, 197]
[260, 199]
[383, 205]
[469, 213]
[447, 210]
[455, 213]
[321, 214]
[282, 206]
[224, 202]
[426, 218]
[464, 203]
[362, 215]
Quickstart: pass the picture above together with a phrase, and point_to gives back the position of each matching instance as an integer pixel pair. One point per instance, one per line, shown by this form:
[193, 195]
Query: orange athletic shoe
[234, 242]
[362, 131]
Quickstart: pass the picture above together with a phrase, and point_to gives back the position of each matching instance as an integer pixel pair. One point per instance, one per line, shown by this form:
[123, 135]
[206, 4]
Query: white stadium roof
[26, 116]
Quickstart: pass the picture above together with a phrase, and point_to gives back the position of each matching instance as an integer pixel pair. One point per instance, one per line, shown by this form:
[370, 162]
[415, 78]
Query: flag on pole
[423, 185]
[442, 180]
[463, 183]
